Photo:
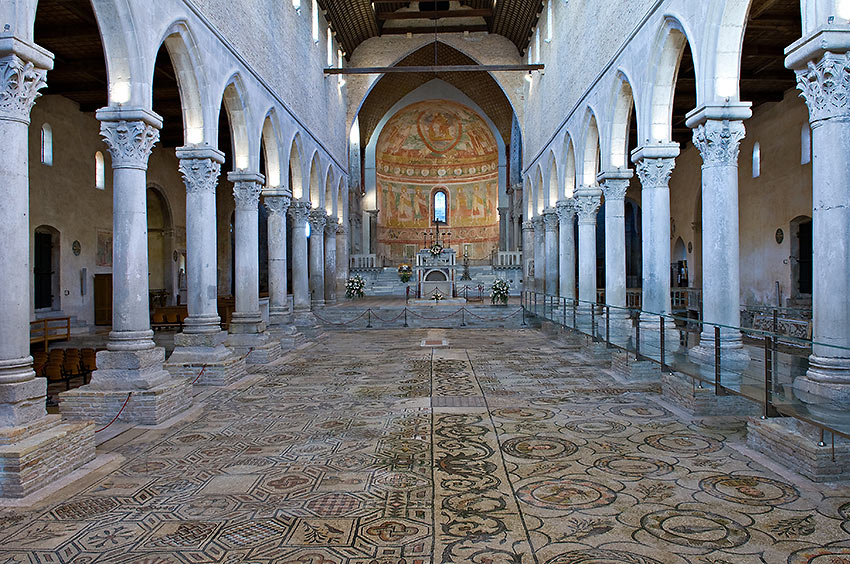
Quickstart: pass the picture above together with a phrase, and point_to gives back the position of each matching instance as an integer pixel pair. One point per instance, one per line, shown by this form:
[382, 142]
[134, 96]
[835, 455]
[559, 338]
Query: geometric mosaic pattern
[500, 448]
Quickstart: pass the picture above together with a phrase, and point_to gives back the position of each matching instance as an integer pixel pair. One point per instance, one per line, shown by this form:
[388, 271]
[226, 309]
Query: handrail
[46, 335]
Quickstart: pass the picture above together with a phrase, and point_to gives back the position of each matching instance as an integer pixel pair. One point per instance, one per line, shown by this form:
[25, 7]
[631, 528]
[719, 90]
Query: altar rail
[507, 259]
[364, 261]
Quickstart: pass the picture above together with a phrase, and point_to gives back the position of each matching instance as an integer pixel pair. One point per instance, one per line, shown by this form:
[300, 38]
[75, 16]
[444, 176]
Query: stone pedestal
[203, 359]
[550, 224]
[317, 220]
[797, 445]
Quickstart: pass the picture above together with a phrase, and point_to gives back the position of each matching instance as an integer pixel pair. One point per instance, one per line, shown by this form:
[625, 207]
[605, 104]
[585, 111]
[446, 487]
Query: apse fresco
[431, 146]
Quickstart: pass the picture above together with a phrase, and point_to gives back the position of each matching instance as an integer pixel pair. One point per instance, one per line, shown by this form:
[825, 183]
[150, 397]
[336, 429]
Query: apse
[428, 151]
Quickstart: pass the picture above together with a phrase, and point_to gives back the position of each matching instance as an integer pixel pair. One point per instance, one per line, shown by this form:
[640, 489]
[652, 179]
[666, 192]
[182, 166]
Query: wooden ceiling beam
[439, 14]
[440, 68]
[433, 29]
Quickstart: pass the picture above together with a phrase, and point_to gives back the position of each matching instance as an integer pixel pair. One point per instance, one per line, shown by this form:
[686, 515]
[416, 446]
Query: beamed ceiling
[481, 88]
[355, 21]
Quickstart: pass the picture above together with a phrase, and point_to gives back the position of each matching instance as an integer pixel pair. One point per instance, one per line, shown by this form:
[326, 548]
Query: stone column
[37, 448]
[539, 254]
[132, 362]
[509, 225]
[654, 167]
[503, 228]
[247, 187]
[317, 257]
[299, 212]
[587, 201]
[566, 249]
[550, 223]
[201, 343]
[343, 253]
[528, 256]
[330, 260]
[277, 203]
[825, 84]
[718, 142]
[248, 336]
[614, 187]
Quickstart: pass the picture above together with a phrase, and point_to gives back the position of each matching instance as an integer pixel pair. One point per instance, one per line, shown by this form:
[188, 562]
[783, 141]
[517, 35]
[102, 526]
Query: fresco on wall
[437, 145]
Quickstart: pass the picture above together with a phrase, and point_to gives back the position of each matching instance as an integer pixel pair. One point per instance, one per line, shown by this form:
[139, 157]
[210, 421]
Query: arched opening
[46, 269]
[801, 259]
[440, 206]
[679, 266]
[569, 168]
[553, 181]
[315, 183]
[162, 252]
[633, 244]
[47, 144]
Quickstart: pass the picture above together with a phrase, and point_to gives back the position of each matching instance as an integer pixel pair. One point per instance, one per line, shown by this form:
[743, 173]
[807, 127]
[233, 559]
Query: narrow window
[330, 48]
[296, 4]
[99, 172]
[756, 160]
[537, 45]
[47, 144]
[550, 21]
[439, 207]
[806, 144]
[339, 57]
[315, 22]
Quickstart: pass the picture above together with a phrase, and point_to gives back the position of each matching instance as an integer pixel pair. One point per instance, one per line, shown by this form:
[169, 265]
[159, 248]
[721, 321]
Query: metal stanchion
[607, 326]
[592, 323]
[769, 409]
[369, 319]
[661, 341]
[718, 385]
[637, 338]
[405, 317]
[463, 317]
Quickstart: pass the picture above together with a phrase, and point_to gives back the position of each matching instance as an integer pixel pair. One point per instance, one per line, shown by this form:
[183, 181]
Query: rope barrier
[343, 323]
[114, 419]
[201, 373]
[434, 318]
[396, 318]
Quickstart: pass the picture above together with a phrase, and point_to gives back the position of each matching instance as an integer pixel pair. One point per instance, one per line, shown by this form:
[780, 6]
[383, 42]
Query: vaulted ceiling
[355, 21]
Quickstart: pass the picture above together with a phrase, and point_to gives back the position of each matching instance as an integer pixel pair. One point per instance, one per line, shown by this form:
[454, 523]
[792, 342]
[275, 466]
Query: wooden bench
[169, 317]
[47, 330]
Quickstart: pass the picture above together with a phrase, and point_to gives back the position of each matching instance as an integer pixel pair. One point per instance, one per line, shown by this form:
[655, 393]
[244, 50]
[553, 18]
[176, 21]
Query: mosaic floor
[501, 448]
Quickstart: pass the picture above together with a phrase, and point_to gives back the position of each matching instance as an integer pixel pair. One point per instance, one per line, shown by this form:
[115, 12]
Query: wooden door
[103, 299]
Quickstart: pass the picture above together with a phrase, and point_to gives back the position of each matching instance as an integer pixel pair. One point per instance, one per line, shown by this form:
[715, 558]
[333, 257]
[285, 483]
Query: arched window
[315, 22]
[99, 171]
[537, 46]
[806, 144]
[47, 144]
[330, 48]
[550, 20]
[440, 206]
[756, 160]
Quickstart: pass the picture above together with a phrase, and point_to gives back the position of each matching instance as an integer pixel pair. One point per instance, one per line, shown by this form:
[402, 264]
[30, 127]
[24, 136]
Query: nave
[424, 446]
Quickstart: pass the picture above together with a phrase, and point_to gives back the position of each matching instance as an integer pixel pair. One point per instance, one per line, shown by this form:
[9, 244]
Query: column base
[635, 371]
[260, 348]
[304, 318]
[41, 452]
[826, 386]
[683, 392]
[22, 402]
[156, 395]
[207, 353]
[288, 336]
[733, 355]
[317, 303]
[795, 445]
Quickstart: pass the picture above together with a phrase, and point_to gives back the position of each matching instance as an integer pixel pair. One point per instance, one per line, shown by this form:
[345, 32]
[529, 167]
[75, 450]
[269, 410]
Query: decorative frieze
[719, 142]
[21, 82]
[130, 142]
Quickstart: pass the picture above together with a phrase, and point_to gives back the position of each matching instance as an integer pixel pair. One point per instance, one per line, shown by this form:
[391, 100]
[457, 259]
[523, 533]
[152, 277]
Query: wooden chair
[54, 373]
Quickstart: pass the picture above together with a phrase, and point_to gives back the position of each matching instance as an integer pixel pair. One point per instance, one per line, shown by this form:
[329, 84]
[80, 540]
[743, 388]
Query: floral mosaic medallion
[595, 427]
[566, 494]
[640, 411]
[825, 555]
[683, 443]
[634, 466]
[750, 490]
[523, 414]
[600, 556]
[695, 529]
[539, 448]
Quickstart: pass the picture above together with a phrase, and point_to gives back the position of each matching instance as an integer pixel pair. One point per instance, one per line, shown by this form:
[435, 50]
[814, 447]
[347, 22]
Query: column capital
[528, 225]
[655, 172]
[200, 169]
[615, 188]
[341, 229]
[587, 202]
[247, 187]
[825, 85]
[550, 220]
[276, 203]
[566, 211]
[537, 222]
[299, 211]
[24, 73]
[130, 134]
[331, 226]
[719, 142]
[317, 219]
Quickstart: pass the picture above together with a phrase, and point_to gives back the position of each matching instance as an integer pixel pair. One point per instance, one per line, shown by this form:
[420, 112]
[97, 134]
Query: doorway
[801, 257]
[46, 269]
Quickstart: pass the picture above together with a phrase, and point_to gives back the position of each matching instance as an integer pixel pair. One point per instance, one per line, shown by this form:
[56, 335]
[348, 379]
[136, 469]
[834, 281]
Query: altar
[435, 272]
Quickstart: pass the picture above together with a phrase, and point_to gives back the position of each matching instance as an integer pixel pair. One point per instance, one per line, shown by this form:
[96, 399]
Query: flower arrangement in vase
[354, 287]
[499, 292]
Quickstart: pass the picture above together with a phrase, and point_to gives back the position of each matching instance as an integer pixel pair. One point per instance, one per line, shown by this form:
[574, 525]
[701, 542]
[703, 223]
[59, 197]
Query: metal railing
[742, 361]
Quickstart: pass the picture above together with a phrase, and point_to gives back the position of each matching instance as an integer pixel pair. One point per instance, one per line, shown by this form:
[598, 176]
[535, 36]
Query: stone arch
[237, 111]
[296, 170]
[270, 141]
[569, 168]
[553, 195]
[340, 200]
[315, 194]
[539, 196]
[728, 49]
[183, 51]
[590, 156]
[528, 196]
[122, 52]
[624, 102]
[671, 47]
[329, 200]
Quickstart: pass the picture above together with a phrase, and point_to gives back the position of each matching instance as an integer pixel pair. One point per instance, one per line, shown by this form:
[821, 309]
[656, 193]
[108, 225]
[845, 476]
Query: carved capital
[566, 211]
[246, 193]
[719, 142]
[299, 211]
[527, 226]
[341, 229]
[655, 173]
[21, 82]
[825, 85]
[130, 142]
[331, 227]
[200, 175]
[550, 220]
[615, 188]
[586, 207]
[277, 205]
[317, 219]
